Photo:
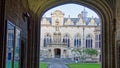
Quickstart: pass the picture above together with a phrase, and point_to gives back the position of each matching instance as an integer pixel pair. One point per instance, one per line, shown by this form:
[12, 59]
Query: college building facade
[60, 35]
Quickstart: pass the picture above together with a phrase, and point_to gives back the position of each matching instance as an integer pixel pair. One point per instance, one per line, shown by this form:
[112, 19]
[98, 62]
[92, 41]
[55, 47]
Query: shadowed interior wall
[2, 32]
[14, 12]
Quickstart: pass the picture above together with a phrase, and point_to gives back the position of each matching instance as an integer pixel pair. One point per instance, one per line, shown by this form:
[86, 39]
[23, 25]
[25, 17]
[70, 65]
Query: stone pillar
[49, 53]
[108, 50]
[72, 42]
[105, 46]
[2, 34]
[62, 54]
[53, 53]
[93, 42]
[117, 48]
[113, 44]
[33, 44]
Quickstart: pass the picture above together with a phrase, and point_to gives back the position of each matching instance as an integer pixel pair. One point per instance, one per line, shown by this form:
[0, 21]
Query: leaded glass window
[89, 41]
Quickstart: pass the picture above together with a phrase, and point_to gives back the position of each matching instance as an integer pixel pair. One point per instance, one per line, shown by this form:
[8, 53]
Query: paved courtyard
[57, 63]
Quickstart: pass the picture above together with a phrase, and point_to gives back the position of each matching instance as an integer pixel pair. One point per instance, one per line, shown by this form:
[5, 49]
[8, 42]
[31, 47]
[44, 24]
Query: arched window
[98, 41]
[47, 40]
[66, 40]
[77, 41]
[88, 41]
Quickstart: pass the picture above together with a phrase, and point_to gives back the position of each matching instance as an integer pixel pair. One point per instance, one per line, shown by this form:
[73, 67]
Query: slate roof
[75, 20]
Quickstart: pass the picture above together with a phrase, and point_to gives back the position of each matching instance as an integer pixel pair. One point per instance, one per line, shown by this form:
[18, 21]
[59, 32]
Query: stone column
[117, 47]
[2, 34]
[62, 54]
[105, 45]
[33, 43]
[53, 53]
[93, 42]
[113, 33]
[113, 44]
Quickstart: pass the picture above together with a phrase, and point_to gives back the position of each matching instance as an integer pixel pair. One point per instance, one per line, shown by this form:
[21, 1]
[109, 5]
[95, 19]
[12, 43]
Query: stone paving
[57, 63]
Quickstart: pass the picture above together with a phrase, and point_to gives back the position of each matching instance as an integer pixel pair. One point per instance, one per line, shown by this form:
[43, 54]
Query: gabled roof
[45, 21]
[75, 20]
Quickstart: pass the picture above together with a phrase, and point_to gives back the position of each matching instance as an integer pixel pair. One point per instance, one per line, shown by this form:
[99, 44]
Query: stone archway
[104, 10]
[57, 53]
[105, 13]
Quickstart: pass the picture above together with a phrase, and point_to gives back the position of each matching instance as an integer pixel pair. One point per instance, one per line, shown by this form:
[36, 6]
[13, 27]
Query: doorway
[57, 52]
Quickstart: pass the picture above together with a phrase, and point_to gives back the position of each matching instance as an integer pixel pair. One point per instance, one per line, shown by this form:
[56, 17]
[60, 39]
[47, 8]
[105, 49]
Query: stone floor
[57, 62]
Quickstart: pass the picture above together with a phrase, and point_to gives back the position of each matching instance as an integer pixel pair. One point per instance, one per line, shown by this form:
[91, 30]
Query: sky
[71, 9]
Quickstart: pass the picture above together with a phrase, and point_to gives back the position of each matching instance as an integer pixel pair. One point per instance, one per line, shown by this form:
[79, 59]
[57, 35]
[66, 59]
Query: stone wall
[117, 34]
[118, 20]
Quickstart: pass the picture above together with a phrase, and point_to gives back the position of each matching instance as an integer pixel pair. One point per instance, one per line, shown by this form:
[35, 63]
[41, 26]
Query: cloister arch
[106, 15]
[26, 14]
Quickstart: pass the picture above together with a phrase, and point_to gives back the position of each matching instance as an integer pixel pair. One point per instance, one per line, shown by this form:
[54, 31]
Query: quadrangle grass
[83, 65]
[72, 65]
[43, 65]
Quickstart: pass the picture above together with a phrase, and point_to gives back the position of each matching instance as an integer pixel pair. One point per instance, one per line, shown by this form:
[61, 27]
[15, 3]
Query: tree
[91, 52]
[83, 53]
[77, 52]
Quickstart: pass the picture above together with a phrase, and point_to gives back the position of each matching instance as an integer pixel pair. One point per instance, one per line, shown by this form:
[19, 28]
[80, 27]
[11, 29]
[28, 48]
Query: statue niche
[57, 33]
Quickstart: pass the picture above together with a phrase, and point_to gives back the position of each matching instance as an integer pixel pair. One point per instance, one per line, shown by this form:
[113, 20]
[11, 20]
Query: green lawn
[73, 65]
[16, 65]
[81, 65]
[43, 65]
